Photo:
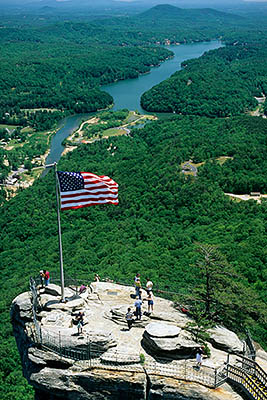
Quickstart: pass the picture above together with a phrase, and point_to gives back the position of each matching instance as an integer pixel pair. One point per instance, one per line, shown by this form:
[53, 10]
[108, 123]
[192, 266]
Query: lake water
[127, 93]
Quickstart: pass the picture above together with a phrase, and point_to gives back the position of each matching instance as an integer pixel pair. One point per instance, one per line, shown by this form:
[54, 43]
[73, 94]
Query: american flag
[84, 189]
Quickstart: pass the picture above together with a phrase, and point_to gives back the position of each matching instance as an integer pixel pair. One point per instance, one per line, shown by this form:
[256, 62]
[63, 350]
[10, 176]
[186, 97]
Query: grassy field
[114, 132]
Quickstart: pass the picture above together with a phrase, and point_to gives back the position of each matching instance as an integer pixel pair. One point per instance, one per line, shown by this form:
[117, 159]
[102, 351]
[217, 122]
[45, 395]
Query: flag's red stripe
[87, 205]
[96, 179]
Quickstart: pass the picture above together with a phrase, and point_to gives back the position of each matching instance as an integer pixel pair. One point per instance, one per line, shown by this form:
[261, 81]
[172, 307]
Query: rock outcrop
[226, 340]
[168, 341]
[154, 360]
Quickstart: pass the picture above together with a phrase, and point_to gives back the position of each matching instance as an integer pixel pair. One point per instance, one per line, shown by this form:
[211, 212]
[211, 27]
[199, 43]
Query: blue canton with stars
[70, 181]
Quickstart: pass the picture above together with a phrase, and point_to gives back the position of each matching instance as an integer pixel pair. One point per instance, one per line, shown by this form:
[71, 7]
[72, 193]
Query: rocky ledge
[154, 360]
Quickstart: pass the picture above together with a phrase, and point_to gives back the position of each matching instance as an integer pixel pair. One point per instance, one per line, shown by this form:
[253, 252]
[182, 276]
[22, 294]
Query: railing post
[90, 355]
[227, 365]
[215, 377]
[59, 343]
[41, 335]
[244, 348]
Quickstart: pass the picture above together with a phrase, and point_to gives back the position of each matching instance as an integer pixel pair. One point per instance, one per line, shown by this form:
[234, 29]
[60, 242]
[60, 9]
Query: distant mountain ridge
[167, 11]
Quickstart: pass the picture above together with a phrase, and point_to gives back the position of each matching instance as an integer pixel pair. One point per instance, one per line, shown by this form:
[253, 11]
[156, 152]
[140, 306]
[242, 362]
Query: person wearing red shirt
[46, 277]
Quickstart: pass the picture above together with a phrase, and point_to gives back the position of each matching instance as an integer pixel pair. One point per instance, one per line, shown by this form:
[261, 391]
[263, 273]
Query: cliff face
[104, 361]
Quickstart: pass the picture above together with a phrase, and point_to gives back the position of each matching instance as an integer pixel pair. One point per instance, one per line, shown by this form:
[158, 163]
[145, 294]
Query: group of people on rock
[139, 301]
[79, 318]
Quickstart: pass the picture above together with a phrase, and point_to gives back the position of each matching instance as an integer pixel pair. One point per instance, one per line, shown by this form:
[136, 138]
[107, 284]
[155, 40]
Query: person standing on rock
[150, 302]
[46, 277]
[42, 278]
[137, 285]
[138, 307]
[199, 357]
[80, 322]
[129, 318]
[149, 285]
[82, 288]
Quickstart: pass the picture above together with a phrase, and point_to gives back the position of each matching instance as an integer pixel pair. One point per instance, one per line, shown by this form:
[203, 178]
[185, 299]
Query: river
[127, 93]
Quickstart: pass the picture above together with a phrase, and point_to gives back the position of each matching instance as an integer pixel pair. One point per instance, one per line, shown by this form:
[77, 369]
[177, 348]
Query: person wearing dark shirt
[129, 318]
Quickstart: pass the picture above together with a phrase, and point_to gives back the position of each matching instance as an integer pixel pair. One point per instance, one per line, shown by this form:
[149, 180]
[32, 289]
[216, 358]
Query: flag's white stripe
[89, 192]
[76, 204]
[91, 198]
[104, 190]
[97, 179]
[93, 185]
[105, 182]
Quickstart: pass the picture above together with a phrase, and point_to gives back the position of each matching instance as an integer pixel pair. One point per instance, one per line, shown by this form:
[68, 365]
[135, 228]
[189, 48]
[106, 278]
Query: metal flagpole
[59, 238]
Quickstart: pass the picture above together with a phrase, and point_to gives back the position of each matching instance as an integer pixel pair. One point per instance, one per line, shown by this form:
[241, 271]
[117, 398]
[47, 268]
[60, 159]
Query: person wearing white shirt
[149, 285]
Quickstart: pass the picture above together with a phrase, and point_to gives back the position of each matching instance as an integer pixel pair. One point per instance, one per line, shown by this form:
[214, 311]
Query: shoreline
[93, 121]
[12, 190]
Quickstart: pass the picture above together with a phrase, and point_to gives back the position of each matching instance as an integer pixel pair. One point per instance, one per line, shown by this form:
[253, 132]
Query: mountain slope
[169, 12]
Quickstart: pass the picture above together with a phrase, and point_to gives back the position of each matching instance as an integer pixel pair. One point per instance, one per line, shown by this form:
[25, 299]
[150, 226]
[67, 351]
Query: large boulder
[46, 358]
[226, 340]
[162, 330]
[55, 290]
[21, 307]
[161, 339]
[89, 385]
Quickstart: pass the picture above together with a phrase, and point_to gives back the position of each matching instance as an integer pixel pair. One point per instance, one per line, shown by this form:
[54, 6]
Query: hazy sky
[96, 2]
[140, 3]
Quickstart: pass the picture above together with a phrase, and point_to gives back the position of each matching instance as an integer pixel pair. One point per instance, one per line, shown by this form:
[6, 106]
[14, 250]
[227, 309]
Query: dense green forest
[47, 72]
[51, 68]
[161, 215]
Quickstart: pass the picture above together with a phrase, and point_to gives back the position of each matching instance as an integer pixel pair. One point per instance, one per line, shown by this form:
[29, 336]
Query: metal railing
[249, 376]
[253, 369]
[96, 357]
[35, 305]
[246, 382]
[251, 351]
